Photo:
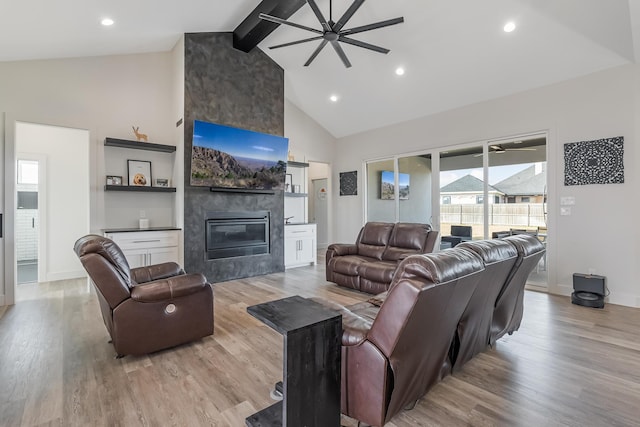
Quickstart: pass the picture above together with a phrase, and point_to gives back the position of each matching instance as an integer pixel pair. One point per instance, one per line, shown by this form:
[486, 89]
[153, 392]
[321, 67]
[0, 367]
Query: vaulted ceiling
[455, 52]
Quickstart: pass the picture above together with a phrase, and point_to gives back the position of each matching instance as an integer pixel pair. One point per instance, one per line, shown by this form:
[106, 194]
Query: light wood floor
[567, 366]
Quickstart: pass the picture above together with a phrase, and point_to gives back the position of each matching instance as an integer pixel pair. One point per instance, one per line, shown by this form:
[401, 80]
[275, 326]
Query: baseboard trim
[65, 275]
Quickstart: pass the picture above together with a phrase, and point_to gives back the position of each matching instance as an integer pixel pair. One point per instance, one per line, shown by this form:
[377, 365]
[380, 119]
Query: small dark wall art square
[594, 162]
[349, 183]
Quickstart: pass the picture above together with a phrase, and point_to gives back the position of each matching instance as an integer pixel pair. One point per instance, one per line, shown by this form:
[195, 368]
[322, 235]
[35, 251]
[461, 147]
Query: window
[27, 172]
[496, 199]
[446, 200]
[479, 200]
[525, 199]
[511, 199]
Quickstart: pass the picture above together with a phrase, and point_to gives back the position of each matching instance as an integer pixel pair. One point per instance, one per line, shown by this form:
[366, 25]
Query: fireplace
[234, 234]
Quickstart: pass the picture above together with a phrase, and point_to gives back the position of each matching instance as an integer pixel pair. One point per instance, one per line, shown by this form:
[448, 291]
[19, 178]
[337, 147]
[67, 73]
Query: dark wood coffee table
[312, 347]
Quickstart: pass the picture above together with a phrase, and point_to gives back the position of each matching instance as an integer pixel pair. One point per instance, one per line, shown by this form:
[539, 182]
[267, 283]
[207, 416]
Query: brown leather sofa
[146, 309]
[369, 264]
[440, 310]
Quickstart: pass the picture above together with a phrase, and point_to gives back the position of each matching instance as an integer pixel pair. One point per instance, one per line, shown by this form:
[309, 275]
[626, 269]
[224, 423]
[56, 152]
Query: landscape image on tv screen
[387, 186]
[228, 157]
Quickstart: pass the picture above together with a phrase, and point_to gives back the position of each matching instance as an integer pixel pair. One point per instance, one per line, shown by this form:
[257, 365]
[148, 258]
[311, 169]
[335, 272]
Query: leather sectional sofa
[440, 310]
[369, 264]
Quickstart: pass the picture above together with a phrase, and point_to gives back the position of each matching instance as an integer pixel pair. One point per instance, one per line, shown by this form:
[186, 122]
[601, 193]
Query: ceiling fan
[333, 32]
[498, 149]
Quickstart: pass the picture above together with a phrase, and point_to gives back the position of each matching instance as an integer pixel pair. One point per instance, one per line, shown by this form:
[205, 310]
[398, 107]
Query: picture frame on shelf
[288, 183]
[114, 180]
[161, 182]
[139, 173]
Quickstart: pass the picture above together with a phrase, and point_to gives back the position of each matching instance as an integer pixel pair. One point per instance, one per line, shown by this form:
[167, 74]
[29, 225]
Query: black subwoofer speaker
[588, 290]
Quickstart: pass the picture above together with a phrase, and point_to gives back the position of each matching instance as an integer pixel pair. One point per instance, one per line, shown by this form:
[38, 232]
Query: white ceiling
[455, 51]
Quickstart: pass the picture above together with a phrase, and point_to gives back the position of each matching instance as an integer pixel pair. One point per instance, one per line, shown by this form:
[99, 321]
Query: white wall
[602, 232]
[106, 95]
[308, 141]
[65, 214]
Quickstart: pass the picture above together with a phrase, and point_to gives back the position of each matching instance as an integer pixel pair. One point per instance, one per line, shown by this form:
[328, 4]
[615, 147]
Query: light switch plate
[567, 201]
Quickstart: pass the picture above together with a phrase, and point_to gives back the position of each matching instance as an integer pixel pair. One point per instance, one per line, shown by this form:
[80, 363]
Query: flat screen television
[230, 158]
[387, 185]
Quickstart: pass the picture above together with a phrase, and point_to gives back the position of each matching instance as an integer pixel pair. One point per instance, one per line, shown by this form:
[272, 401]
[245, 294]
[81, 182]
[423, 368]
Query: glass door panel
[414, 189]
[518, 193]
[381, 191]
[462, 195]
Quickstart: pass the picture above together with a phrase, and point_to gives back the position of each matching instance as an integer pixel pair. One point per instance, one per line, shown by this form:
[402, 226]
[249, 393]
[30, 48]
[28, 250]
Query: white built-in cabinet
[299, 236]
[143, 248]
[299, 245]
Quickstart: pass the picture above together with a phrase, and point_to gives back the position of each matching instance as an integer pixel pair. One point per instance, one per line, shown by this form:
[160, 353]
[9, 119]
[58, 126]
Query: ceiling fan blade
[374, 26]
[291, 24]
[341, 54]
[316, 52]
[296, 42]
[363, 44]
[316, 10]
[347, 15]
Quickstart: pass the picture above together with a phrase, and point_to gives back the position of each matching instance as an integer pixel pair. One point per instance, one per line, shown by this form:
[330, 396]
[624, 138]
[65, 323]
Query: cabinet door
[307, 250]
[136, 257]
[160, 255]
[290, 251]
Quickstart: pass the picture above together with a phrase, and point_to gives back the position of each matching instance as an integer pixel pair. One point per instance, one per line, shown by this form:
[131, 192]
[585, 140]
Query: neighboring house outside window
[525, 199]
[496, 199]
[511, 199]
[479, 200]
[446, 200]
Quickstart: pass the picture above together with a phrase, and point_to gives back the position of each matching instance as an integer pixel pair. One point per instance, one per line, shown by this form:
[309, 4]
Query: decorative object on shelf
[139, 172]
[143, 223]
[594, 162]
[296, 188]
[161, 182]
[288, 183]
[349, 183]
[114, 180]
[290, 157]
[140, 136]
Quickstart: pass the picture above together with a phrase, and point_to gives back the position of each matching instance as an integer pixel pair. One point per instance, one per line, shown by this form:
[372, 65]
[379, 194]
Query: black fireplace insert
[234, 234]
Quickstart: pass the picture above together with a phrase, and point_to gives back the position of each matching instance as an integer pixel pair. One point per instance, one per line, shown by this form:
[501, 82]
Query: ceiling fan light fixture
[334, 98]
[107, 22]
[400, 71]
[509, 27]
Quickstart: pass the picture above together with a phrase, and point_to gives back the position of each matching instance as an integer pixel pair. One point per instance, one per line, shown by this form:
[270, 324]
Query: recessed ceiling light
[333, 98]
[107, 22]
[510, 26]
[400, 71]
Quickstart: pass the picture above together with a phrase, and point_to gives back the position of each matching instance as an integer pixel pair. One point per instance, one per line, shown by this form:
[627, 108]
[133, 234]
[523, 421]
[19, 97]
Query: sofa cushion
[374, 239]
[406, 239]
[378, 271]
[349, 264]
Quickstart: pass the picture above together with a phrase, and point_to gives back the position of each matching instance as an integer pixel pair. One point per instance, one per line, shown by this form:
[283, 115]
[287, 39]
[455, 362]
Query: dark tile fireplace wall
[245, 90]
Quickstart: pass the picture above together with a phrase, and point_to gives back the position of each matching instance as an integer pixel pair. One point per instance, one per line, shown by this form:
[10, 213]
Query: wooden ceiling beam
[253, 30]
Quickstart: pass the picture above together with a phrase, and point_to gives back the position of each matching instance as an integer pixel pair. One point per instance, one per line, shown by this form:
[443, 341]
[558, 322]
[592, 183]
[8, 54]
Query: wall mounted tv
[225, 157]
[387, 185]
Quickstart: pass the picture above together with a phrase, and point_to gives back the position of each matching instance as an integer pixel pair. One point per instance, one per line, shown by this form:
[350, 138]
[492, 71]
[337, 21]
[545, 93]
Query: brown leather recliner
[369, 264]
[392, 355]
[509, 306]
[146, 309]
[472, 335]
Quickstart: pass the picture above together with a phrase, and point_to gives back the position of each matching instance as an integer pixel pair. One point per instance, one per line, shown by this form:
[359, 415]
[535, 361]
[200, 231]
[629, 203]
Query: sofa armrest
[166, 289]
[155, 272]
[341, 249]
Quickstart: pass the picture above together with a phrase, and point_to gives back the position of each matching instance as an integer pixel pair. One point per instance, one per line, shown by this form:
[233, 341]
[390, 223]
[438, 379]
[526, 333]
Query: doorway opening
[319, 201]
[27, 221]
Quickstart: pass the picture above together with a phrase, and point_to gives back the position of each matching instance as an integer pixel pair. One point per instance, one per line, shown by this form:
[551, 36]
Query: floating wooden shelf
[297, 164]
[125, 143]
[139, 188]
[295, 194]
